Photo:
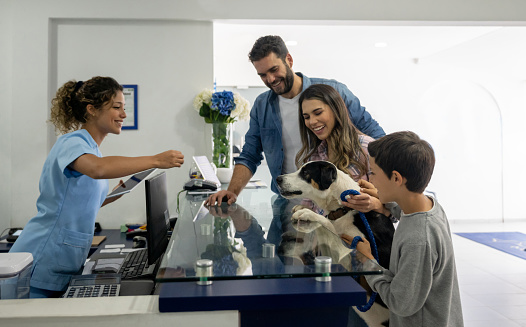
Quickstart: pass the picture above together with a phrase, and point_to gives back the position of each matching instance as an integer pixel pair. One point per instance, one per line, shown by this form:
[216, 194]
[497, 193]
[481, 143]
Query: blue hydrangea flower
[223, 102]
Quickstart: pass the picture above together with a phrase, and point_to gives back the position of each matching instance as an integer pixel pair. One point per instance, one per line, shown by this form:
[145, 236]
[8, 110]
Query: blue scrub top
[60, 235]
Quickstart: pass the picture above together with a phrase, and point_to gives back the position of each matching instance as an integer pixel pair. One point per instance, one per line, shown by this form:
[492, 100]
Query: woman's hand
[169, 159]
[113, 198]
[368, 188]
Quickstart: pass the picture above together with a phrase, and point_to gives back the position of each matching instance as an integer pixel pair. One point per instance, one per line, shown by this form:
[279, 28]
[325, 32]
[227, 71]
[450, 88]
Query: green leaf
[204, 111]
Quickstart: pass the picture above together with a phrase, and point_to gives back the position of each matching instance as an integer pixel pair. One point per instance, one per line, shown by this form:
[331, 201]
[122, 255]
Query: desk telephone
[200, 184]
[209, 181]
[94, 286]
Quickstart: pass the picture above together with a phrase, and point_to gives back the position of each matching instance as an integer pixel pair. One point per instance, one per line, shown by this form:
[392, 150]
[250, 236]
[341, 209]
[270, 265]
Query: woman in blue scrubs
[73, 185]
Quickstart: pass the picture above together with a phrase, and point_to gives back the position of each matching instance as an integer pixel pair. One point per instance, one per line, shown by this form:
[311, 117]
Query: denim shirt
[264, 133]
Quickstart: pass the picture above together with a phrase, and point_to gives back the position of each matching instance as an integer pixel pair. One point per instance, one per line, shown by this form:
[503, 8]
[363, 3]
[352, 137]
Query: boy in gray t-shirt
[420, 288]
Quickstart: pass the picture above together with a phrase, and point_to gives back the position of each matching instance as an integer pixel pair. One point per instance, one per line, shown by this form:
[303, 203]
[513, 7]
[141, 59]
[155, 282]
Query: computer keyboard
[134, 264]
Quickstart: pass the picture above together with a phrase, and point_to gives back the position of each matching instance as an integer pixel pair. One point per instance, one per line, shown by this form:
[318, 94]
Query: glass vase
[222, 145]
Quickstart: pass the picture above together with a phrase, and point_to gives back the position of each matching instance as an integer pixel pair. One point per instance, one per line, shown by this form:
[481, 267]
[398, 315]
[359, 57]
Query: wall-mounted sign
[130, 96]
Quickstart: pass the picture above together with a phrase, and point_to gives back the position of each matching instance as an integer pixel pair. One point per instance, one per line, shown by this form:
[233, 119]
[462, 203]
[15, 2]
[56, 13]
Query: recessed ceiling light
[380, 44]
[291, 43]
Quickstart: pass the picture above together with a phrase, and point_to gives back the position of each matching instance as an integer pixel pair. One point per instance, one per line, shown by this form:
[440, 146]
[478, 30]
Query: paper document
[206, 169]
[110, 250]
[256, 184]
[114, 246]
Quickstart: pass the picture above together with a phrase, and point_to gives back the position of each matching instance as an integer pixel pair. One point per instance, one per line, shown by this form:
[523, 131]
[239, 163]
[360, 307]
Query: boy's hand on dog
[367, 200]
[361, 202]
[364, 247]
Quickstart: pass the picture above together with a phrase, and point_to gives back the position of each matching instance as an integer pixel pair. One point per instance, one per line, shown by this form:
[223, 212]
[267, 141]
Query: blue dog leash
[356, 239]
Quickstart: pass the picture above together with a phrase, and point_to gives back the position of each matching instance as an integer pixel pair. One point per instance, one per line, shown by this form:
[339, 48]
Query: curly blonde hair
[68, 107]
[344, 145]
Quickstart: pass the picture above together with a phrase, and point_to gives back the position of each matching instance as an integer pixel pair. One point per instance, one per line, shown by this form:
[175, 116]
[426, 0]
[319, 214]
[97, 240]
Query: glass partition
[252, 238]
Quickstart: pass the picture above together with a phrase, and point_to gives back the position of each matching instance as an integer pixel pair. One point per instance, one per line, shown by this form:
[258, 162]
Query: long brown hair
[68, 108]
[343, 142]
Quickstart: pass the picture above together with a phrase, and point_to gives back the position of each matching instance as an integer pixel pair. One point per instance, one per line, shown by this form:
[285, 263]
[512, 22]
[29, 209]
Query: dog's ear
[328, 175]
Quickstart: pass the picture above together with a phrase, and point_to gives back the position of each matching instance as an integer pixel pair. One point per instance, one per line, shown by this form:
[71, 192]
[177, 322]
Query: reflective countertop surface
[252, 238]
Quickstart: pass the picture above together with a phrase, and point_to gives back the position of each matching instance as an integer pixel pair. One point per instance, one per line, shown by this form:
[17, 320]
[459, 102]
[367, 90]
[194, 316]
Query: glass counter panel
[253, 238]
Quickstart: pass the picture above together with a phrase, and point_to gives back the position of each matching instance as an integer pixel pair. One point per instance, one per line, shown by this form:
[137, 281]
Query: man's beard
[288, 81]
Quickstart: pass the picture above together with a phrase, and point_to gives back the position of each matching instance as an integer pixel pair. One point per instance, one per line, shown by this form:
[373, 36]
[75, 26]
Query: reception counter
[251, 257]
[246, 264]
[115, 312]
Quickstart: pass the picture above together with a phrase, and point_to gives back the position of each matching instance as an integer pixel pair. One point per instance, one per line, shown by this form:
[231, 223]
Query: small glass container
[323, 265]
[203, 270]
[268, 250]
[194, 172]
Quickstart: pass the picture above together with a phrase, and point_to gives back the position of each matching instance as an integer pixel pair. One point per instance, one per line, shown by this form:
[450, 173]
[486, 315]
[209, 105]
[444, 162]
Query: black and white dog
[322, 182]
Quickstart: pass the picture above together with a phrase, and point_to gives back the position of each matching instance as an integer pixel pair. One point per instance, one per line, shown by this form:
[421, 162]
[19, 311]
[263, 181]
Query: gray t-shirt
[420, 288]
[290, 135]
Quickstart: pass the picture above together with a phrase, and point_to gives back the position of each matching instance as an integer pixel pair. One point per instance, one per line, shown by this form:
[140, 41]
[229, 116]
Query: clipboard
[131, 183]
[97, 240]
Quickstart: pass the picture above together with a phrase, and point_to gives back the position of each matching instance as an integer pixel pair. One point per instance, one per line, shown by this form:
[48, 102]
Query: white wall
[170, 60]
[5, 113]
[469, 109]
[476, 178]
[162, 58]
[34, 60]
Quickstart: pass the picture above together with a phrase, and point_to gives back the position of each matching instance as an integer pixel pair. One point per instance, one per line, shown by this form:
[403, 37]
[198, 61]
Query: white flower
[204, 97]
[242, 111]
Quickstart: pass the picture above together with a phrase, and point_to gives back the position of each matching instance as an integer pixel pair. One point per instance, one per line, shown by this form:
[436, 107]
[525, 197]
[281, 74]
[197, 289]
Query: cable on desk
[178, 200]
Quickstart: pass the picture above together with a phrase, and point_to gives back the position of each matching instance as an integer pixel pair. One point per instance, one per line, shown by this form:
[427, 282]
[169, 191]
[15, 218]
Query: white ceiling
[501, 49]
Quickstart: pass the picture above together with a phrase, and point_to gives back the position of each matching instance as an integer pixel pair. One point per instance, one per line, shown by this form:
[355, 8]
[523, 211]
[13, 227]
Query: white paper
[206, 169]
[110, 250]
[113, 246]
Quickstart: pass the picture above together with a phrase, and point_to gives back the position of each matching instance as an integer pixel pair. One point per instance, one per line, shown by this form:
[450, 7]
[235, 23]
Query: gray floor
[492, 283]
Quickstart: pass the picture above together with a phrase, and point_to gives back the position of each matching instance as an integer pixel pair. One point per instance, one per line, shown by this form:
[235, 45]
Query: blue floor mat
[513, 243]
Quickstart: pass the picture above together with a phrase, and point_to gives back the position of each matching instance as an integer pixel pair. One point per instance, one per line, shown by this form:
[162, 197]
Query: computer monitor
[157, 216]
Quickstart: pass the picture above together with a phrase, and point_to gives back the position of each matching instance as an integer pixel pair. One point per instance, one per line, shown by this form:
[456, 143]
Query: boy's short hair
[266, 45]
[406, 153]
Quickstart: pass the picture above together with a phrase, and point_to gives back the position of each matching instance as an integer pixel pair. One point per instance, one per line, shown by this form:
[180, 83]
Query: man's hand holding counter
[239, 180]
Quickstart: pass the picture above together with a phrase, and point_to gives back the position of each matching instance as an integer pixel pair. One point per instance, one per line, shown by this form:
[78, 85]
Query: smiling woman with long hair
[327, 133]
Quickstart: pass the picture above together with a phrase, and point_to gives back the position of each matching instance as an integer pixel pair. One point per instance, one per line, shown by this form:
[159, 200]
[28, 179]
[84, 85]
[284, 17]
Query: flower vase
[222, 150]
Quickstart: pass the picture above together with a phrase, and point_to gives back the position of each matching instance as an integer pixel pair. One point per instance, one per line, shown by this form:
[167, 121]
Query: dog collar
[333, 215]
